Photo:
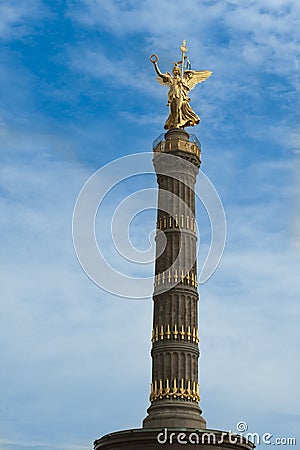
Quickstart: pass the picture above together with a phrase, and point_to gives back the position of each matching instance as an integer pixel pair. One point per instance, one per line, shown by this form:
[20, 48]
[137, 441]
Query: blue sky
[78, 91]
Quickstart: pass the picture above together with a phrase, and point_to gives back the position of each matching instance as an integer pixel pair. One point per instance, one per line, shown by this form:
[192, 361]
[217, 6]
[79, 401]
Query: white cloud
[258, 28]
[118, 72]
[248, 323]
[258, 42]
[17, 18]
[148, 16]
[55, 321]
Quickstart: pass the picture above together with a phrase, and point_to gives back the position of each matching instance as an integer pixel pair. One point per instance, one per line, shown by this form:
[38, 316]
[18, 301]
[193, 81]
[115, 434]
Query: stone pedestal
[172, 439]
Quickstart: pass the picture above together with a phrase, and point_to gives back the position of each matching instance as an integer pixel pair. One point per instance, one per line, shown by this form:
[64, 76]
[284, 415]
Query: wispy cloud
[246, 46]
[17, 18]
[266, 32]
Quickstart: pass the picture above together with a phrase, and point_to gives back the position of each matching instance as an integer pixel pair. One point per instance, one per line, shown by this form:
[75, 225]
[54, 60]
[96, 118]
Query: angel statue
[180, 83]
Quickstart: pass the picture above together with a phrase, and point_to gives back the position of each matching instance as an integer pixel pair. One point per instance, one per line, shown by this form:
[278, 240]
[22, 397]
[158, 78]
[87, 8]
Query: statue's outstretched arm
[159, 73]
[162, 77]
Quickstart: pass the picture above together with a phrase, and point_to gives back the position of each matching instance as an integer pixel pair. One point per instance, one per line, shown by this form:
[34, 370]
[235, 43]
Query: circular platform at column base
[172, 439]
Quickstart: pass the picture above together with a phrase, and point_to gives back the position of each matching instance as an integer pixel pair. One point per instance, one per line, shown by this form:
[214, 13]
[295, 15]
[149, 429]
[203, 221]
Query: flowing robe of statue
[181, 114]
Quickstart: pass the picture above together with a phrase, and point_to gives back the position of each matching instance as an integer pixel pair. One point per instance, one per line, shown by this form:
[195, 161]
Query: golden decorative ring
[153, 58]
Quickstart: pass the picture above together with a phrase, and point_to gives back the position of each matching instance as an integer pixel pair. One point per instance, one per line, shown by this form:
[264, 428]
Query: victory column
[174, 416]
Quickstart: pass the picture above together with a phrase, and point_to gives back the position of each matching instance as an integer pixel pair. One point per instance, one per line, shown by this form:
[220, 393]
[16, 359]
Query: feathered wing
[193, 77]
[165, 79]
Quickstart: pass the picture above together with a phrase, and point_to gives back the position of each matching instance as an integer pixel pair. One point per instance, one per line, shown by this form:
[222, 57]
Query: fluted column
[174, 389]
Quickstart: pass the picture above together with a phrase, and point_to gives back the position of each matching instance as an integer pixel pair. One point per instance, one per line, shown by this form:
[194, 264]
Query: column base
[170, 414]
[172, 439]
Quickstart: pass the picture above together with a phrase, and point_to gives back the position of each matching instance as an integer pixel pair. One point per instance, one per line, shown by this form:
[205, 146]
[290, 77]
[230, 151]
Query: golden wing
[193, 77]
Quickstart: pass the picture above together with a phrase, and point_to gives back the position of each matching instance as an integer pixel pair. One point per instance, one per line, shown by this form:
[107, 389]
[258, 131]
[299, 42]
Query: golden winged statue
[180, 82]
